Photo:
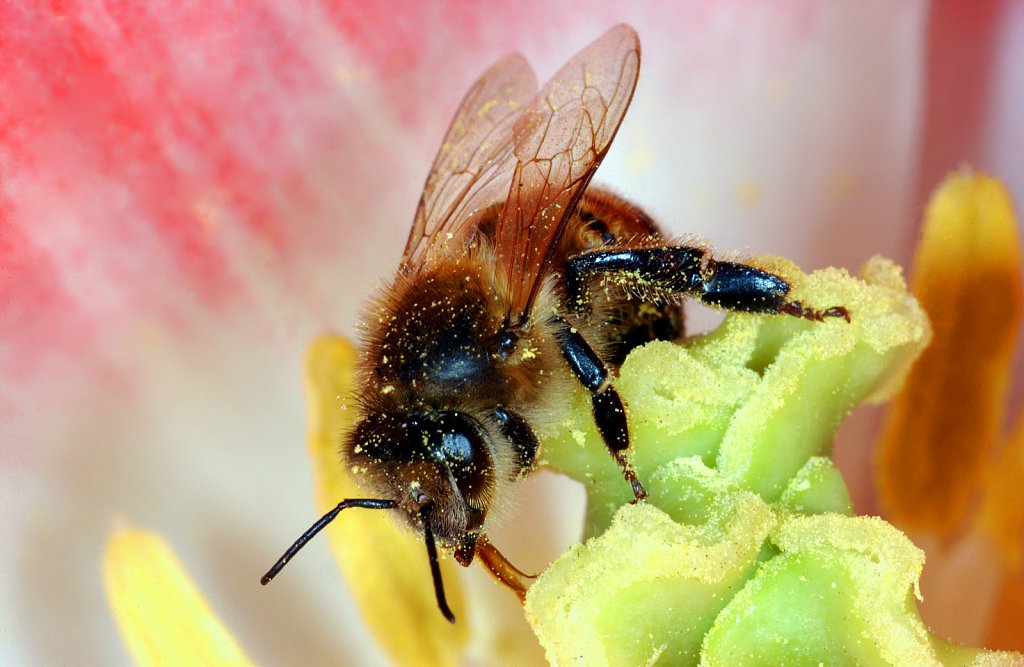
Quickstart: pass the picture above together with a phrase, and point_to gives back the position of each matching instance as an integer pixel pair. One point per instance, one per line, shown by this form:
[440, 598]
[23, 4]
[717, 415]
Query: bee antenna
[435, 567]
[368, 503]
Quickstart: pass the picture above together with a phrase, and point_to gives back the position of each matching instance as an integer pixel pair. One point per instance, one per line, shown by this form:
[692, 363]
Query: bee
[517, 282]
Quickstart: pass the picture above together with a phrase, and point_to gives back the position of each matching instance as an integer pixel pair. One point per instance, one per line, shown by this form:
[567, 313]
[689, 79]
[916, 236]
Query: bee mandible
[517, 282]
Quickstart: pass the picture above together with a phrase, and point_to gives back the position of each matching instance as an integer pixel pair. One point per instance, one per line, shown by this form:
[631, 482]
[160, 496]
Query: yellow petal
[163, 617]
[386, 567]
[942, 429]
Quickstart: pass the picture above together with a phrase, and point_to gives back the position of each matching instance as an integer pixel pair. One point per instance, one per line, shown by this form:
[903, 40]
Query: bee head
[436, 467]
[437, 458]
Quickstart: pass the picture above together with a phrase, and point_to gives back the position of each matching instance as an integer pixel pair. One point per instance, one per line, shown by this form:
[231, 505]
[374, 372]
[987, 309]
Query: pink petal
[189, 193]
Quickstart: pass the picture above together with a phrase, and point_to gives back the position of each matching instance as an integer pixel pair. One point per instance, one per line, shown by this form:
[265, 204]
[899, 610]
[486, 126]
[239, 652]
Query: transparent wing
[559, 141]
[474, 165]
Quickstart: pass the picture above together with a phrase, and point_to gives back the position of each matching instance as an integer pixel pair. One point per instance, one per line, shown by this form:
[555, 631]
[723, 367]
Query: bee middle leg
[609, 413]
[684, 269]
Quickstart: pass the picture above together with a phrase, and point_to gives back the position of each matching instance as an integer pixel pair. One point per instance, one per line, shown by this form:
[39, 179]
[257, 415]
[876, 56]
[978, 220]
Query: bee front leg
[609, 412]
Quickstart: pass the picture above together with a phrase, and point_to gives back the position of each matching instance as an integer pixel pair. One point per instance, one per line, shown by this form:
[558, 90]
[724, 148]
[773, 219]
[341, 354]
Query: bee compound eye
[456, 448]
[462, 447]
[456, 438]
[380, 438]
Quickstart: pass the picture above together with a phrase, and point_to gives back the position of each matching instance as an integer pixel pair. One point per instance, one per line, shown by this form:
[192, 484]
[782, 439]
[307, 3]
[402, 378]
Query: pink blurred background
[188, 194]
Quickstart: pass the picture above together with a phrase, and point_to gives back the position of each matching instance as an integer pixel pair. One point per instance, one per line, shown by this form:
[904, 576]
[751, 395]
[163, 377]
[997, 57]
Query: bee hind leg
[673, 270]
[666, 269]
[745, 288]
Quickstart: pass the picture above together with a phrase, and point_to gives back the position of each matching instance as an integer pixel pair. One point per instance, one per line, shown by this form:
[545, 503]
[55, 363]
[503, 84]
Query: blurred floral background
[190, 193]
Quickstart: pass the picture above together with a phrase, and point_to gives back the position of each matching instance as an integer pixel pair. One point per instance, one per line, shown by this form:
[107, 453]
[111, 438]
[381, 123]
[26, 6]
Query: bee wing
[474, 165]
[559, 141]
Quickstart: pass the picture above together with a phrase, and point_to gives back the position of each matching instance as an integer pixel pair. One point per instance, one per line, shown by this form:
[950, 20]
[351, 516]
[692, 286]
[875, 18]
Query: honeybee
[518, 281]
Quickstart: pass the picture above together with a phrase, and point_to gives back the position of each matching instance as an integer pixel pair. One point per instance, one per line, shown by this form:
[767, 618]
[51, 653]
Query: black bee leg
[740, 287]
[673, 270]
[797, 309]
[609, 413]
